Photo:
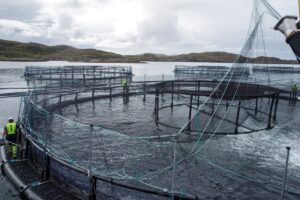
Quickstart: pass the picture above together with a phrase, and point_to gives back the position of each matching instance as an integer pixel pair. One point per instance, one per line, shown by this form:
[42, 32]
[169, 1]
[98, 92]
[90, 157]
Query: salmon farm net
[207, 132]
[113, 138]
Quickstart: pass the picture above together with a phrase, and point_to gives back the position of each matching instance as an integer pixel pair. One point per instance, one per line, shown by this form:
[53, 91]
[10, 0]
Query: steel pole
[285, 173]
[90, 162]
[174, 168]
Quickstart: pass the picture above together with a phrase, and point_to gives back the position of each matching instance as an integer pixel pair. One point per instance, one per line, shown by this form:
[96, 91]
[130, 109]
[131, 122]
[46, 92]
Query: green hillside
[18, 51]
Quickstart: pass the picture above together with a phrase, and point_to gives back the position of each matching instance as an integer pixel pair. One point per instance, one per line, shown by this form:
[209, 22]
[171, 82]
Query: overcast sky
[138, 26]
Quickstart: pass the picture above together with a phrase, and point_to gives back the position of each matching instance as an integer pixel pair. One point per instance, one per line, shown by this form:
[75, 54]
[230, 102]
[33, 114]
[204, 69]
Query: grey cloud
[80, 3]
[73, 3]
[65, 22]
[177, 26]
[25, 10]
[161, 29]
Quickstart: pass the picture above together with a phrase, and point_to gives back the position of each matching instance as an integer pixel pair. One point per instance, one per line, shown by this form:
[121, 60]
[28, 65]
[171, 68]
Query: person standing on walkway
[10, 134]
[124, 85]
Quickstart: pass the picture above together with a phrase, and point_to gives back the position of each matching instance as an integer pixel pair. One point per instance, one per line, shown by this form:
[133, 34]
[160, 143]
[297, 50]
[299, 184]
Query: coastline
[137, 62]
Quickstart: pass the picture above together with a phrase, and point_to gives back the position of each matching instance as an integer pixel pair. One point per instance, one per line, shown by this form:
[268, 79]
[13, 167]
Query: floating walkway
[77, 72]
[29, 182]
[183, 71]
[276, 69]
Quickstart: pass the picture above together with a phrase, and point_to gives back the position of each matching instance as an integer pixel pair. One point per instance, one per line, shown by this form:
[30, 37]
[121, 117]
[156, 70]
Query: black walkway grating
[25, 171]
[29, 175]
[49, 191]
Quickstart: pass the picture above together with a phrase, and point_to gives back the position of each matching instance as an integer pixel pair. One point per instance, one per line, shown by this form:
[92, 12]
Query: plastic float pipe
[25, 190]
[288, 26]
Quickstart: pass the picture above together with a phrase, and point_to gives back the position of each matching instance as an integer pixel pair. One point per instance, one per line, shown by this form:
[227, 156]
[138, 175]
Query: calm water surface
[260, 156]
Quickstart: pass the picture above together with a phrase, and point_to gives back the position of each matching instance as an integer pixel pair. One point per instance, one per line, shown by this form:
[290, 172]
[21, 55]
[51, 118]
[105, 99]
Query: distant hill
[216, 57]
[18, 51]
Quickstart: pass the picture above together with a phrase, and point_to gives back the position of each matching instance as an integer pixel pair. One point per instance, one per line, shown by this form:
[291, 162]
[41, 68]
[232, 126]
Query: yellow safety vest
[11, 128]
[294, 88]
[124, 83]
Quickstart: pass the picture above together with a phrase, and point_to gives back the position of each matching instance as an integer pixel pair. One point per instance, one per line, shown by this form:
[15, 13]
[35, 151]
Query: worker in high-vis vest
[124, 83]
[10, 133]
[125, 86]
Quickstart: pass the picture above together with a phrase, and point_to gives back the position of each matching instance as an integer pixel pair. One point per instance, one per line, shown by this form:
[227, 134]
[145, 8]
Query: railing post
[18, 121]
[65, 73]
[178, 91]
[110, 91]
[285, 173]
[162, 91]
[83, 75]
[127, 93]
[46, 172]
[61, 82]
[198, 96]
[59, 100]
[156, 107]
[93, 181]
[174, 167]
[93, 94]
[72, 72]
[50, 73]
[2, 168]
[90, 145]
[270, 113]
[172, 103]
[190, 112]
[114, 74]
[93, 186]
[94, 72]
[256, 105]
[237, 118]
[76, 97]
[46, 161]
[144, 88]
[276, 105]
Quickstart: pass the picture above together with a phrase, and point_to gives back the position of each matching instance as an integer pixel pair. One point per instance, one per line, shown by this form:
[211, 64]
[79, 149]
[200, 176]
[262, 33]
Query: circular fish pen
[103, 136]
[139, 140]
[164, 108]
